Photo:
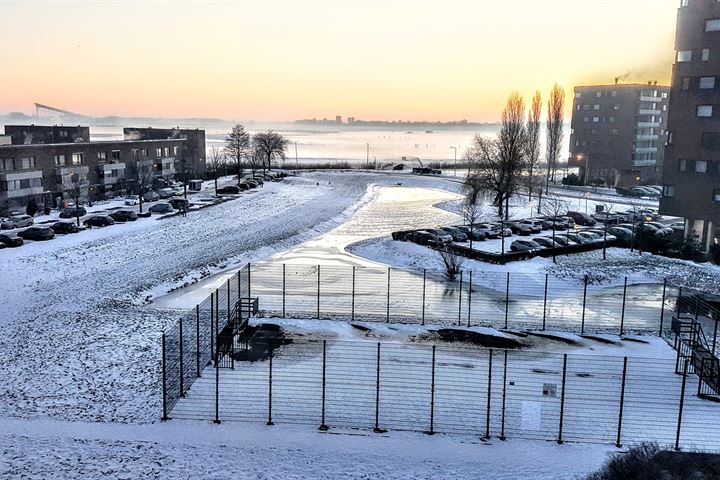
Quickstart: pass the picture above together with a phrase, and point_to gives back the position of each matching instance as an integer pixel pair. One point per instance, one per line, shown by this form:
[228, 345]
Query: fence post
[507, 298]
[423, 298]
[432, 396]
[469, 297]
[715, 332]
[164, 380]
[212, 325]
[323, 425]
[662, 306]
[545, 301]
[622, 402]
[700, 375]
[622, 314]
[197, 339]
[377, 428]
[249, 267]
[562, 400]
[283, 294]
[582, 326]
[318, 292]
[217, 393]
[182, 362]
[388, 296]
[239, 297]
[352, 307]
[504, 395]
[489, 395]
[270, 422]
[460, 299]
[228, 300]
[682, 405]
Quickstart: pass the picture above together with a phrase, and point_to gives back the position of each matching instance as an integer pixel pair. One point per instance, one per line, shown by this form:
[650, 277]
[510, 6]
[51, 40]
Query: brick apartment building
[619, 133]
[692, 175]
[41, 162]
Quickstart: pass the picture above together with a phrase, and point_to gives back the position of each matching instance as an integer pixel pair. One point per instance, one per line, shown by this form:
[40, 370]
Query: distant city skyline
[284, 61]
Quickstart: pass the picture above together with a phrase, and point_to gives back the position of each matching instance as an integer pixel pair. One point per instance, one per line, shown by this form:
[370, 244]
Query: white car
[132, 200]
[17, 221]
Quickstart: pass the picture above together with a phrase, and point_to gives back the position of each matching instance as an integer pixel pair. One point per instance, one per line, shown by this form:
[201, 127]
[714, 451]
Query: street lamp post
[455, 171]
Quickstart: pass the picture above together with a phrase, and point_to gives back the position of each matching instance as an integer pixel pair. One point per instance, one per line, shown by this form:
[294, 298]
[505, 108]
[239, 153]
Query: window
[586, 119]
[683, 3]
[27, 163]
[158, 152]
[598, 94]
[664, 95]
[144, 152]
[614, 131]
[167, 151]
[77, 158]
[59, 160]
[617, 107]
[704, 111]
[684, 56]
[682, 166]
[668, 191]
[596, 119]
[176, 151]
[700, 166]
[134, 153]
[705, 54]
[686, 83]
[716, 196]
[712, 25]
[596, 107]
[115, 155]
[611, 119]
[613, 93]
[707, 83]
[586, 107]
[102, 155]
[578, 94]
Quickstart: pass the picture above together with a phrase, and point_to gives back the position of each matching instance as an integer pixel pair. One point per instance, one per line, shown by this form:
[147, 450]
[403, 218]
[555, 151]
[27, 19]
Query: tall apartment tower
[691, 176]
[618, 133]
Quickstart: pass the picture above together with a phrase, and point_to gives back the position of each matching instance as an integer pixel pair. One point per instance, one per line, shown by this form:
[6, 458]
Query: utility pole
[455, 172]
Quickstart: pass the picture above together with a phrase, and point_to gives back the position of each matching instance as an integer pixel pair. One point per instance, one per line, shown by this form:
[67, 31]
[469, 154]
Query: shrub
[453, 263]
[32, 207]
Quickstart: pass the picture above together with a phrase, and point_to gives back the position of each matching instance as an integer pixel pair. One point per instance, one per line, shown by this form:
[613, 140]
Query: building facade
[618, 133]
[192, 155]
[49, 172]
[41, 134]
[692, 175]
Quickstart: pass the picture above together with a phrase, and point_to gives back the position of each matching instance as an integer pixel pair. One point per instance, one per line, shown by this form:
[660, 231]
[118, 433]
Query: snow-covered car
[441, 235]
[662, 228]
[456, 234]
[546, 242]
[564, 241]
[161, 207]
[605, 236]
[578, 239]
[592, 237]
[132, 200]
[525, 246]
[472, 234]
[151, 197]
[18, 221]
[490, 230]
[534, 225]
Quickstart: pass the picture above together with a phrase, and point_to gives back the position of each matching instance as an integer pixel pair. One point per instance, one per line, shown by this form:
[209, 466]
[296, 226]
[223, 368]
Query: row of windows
[699, 83]
[699, 166]
[613, 93]
[686, 56]
[61, 160]
[669, 191]
[11, 185]
[22, 163]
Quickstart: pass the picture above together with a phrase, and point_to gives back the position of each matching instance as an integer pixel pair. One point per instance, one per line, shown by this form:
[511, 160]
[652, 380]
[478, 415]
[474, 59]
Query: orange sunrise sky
[284, 60]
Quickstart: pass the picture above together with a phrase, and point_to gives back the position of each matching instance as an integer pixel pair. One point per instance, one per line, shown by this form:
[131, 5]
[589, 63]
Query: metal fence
[474, 298]
[192, 343]
[475, 391]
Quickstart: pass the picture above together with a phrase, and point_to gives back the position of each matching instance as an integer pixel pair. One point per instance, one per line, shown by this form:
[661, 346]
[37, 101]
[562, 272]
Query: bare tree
[237, 148]
[78, 190]
[554, 131]
[607, 210]
[533, 140]
[141, 174]
[497, 165]
[269, 146]
[215, 162]
[453, 263]
[554, 207]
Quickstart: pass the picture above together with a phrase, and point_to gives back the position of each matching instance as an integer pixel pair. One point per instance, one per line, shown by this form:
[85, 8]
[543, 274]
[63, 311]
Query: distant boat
[429, 131]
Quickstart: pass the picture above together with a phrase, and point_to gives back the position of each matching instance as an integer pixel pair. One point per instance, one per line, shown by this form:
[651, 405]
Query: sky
[278, 60]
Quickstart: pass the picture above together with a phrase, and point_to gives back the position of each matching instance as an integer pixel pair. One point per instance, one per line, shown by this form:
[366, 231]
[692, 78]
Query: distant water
[352, 145]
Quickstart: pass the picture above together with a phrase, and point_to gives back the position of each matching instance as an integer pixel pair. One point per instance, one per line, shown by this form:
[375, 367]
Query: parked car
[441, 235]
[421, 237]
[402, 235]
[545, 222]
[230, 189]
[607, 218]
[645, 192]
[547, 242]
[456, 234]
[37, 233]
[164, 193]
[99, 221]
[561, 222]
[592, 237]
[179, 203]
[662, 228]
[578, 239]
[10, 240]
[17, 221]
[605, 236]
[525, 246]
[535, 225]
[564, 241]
[519, 228]
[472, 233]
[624, 236]
[582, 219]
[252, 183]
[244, 186]
[73, 212]
[506, 231]
[490, 230]
[124, 216]
[132, 200]
[162, 207]
[258, 180]
[64, 227]
[151, 197]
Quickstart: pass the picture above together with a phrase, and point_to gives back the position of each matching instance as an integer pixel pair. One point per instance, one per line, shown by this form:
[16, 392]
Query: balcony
[110, 173]
[32, 178]
[64, 176]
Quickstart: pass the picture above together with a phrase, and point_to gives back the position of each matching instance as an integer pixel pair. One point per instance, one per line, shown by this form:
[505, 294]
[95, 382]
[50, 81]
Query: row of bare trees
[243, 151]
[504, 165]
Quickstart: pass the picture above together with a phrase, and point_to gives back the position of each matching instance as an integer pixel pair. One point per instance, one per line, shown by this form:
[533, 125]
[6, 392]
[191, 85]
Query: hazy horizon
[280, 61]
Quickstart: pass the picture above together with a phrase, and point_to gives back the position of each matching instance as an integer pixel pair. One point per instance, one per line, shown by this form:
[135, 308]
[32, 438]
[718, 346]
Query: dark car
[10, 240]
[244, 186]
[624, 235]
[456, 234]
[582, 219]
[258, 180]
[252, 183]
[519, 228]
[179, 203]
[422, 237]
[165, 193]
[65, 227]
[99, 221]
[472, 233]
[161, 208]
[402, 235]
[525, 246]
[547, 242]
[37, 233]
[230, 189]
[124, 216]
[73, 212]
[151, 197]
[564, 241]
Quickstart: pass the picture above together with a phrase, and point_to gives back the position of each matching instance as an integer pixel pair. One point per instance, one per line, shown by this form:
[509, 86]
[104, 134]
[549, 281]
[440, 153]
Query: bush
[32, 207]
[453, 263]
[571, 180]
[715, 254]
[692, 249]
